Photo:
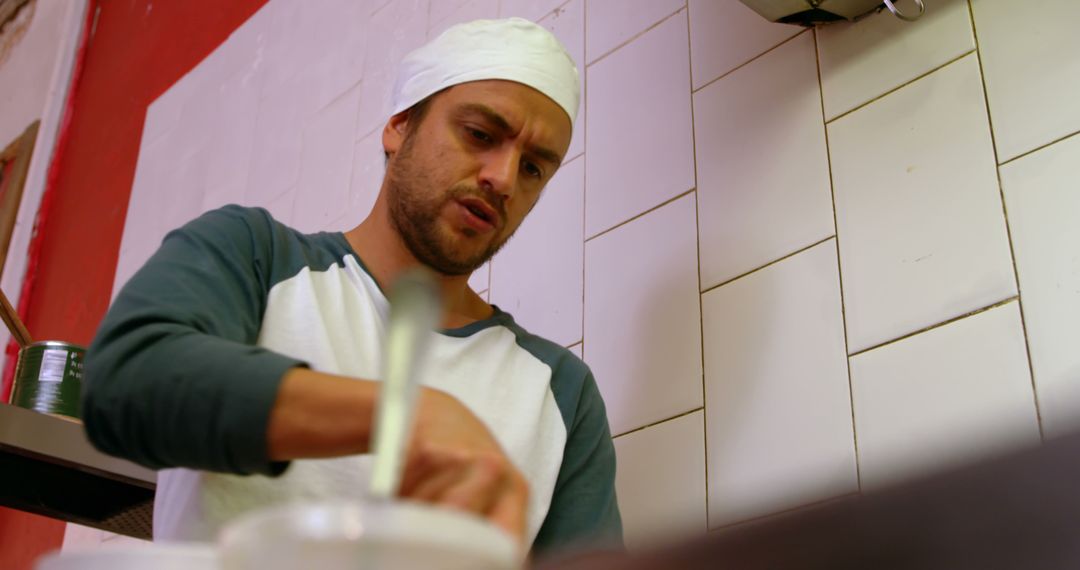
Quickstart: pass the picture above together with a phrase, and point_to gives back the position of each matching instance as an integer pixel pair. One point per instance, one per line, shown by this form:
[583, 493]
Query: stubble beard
[415, 216]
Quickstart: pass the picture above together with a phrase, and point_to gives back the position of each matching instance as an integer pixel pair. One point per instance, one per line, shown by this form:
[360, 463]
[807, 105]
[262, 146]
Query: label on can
[53, 366]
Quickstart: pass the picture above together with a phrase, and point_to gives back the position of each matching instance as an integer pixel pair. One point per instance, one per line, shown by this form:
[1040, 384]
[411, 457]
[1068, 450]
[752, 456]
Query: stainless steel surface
[812, 12]
[415, 309]
[773, 10]
[48, 467]
[62, 441]
[904, 15]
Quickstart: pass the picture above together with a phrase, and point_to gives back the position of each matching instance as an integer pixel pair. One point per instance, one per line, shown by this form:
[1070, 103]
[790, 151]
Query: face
[460, 182]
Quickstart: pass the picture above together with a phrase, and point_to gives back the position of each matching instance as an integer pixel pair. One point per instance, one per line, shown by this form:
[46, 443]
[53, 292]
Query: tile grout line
[641, 215]
[543, 16]
[561, 7]
[781, 513]
[1036, 149]
[584, 102]
[767, 265]
[747, 62]
[899, 87]
[621, 45]
[427, 21]
[839, 270]
[656, 423]
[939, 325]
[697, 244]
[1008, 228]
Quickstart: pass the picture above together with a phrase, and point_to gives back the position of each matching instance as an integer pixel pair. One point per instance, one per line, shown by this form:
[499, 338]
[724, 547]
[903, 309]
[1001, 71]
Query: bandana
[513, 49]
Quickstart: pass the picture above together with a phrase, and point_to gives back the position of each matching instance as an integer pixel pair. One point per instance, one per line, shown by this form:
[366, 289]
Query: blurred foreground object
[813, 12]
[1018, 511]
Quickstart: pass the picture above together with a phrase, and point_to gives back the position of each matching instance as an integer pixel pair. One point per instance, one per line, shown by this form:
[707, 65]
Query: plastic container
[365, 536]
[176, 556]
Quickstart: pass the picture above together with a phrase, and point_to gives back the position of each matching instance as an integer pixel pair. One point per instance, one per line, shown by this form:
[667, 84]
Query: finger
[509, 509]
[444, 473]
[424, 463]
[478, 490]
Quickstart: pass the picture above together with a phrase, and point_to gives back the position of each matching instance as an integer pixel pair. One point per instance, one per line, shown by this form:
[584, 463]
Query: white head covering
[512, 49]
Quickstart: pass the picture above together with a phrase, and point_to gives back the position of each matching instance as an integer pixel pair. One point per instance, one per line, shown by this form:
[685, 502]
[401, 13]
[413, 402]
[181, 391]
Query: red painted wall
[138, 49]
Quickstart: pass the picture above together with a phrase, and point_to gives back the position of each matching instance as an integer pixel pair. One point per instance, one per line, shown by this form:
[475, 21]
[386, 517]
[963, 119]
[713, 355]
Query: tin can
[48, 378]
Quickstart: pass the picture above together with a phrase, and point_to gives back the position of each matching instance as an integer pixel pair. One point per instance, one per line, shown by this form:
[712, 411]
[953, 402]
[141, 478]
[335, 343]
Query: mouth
[478, 214]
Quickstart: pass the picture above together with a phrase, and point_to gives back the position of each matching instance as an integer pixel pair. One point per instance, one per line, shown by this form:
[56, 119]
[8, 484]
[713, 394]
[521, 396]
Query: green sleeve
[172, 378]
[584, 512]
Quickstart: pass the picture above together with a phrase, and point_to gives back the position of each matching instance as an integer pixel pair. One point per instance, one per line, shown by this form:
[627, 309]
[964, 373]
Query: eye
[532, 169]
[480, 136]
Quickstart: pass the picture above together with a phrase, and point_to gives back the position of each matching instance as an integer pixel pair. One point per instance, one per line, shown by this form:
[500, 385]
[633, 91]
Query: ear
[394, 132]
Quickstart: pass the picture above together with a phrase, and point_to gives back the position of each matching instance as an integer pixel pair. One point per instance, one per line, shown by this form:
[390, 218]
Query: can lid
[56, 344]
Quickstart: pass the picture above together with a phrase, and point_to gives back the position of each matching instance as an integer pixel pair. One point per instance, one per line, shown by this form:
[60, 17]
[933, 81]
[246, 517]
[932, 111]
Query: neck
[386, 256]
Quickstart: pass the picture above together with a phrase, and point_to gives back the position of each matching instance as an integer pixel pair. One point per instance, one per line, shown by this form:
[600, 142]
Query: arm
[173, 379]
[584, 510]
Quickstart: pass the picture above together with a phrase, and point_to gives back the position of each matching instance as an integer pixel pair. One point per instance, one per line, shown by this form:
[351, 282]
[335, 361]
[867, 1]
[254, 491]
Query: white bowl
[174, 556]
[365, 536]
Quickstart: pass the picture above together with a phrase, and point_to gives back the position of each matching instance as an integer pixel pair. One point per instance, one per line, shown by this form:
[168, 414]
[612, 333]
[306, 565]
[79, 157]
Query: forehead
[521, 105]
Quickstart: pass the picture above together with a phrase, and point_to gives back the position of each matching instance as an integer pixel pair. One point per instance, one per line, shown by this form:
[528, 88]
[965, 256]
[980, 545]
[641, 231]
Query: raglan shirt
[187, 363]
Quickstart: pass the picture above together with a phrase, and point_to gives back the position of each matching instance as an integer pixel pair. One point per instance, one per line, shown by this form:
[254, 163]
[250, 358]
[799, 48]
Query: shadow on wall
[15, 18]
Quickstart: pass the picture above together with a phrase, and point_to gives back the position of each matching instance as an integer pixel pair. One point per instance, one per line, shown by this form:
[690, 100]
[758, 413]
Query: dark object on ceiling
[813, 12]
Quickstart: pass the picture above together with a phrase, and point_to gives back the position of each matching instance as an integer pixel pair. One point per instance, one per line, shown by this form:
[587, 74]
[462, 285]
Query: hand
[454, 461]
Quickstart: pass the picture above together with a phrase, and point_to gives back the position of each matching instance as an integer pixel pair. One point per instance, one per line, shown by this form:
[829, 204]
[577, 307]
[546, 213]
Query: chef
[243, 359]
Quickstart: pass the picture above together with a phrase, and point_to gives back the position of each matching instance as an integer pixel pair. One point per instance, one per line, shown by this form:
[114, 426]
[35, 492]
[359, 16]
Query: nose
[499, 172]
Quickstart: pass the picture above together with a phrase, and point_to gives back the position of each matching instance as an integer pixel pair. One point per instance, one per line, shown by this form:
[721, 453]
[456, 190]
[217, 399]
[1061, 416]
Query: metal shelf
[48, 467]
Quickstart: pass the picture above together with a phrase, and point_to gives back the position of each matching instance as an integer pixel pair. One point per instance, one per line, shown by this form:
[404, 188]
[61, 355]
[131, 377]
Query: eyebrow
[500, 122]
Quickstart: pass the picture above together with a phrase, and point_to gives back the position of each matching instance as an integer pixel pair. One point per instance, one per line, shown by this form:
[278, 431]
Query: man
[243, 358]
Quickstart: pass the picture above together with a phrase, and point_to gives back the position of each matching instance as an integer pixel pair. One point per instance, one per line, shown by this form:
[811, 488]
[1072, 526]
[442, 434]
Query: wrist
[318, 415]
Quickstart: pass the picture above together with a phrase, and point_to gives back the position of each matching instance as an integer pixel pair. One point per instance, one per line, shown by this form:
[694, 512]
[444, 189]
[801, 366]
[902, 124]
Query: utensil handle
[13, 322]
[415, 309]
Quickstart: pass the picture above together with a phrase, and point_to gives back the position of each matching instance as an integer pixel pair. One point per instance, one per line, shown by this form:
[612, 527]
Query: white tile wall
[326, 163]
[480, 280]
[919, 214]
[528, 9]
[395, 30]
[947, 396]
[443, 9]
[766, 193]
[368, 170]
[143, 225]
[632, 166]
[568, 24]
[725, 35]
[281, 208]
[1031, 63]
[230, 151]
[921, 225]
[467, 12]
[864, 60]
[776, 389]
[642, 317]
[275, 155]
[186, 189]
[661, 481]
[614, 22]
[1042, 192]
[327, 47]
[538, 276]
[163, 114]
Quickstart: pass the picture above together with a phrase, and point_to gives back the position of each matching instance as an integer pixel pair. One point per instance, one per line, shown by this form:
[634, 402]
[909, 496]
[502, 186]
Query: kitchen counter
[48, 467]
